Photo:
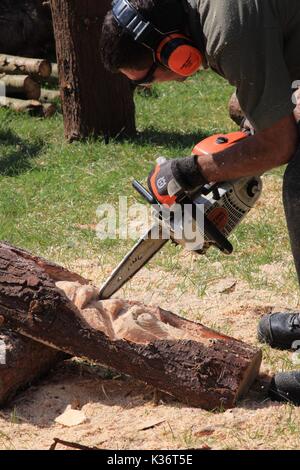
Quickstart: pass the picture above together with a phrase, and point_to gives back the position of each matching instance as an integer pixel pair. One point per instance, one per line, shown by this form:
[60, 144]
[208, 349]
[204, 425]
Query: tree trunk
[22, 65]
[21, 86]
[194, 364]
[94, 102]
[23, 360]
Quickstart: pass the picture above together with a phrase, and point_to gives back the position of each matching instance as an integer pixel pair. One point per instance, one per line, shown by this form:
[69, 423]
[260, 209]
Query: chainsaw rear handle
[212, 231]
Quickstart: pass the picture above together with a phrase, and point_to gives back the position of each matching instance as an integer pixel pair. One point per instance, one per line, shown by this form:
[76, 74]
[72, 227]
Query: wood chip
[150, 425]
[71, 417]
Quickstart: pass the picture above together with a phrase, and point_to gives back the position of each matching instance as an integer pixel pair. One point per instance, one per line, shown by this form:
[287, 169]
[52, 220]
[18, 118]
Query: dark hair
[118, 48]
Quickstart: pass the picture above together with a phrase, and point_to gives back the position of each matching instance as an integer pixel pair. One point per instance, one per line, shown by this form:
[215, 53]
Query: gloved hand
[167, 180]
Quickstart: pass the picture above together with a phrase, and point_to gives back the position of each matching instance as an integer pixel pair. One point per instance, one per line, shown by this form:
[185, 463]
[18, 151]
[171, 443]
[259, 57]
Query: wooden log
[187, 360]
[22, 65]
[53, 79]
[23, 360]
[94, 102]
[48, 109]
[54, 72]
[32, 107]
[48, 96]
[21, 86]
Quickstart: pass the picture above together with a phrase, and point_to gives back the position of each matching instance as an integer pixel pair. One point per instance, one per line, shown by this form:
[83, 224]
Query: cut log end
[32, 89]
[45, 69]
[49, 109]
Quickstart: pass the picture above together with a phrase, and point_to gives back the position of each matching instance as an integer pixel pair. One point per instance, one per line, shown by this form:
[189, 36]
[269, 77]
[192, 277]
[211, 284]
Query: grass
[50, 190]
[47, 186]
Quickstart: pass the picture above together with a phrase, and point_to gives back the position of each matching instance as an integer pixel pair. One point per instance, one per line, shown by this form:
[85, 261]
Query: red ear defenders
[173, 50]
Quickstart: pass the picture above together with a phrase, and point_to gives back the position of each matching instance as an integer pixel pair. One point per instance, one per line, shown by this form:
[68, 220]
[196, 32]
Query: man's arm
[267, 149]
[263, 151]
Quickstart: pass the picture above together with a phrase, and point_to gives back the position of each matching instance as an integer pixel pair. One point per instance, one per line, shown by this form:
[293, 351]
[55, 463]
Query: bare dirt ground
[124, 414]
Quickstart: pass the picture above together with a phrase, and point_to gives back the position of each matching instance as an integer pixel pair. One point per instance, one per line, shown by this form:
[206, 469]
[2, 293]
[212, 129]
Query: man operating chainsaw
[255, 46]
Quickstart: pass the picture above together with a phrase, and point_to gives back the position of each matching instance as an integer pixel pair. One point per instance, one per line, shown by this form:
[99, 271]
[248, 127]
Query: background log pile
[26, 32]
[22, 82]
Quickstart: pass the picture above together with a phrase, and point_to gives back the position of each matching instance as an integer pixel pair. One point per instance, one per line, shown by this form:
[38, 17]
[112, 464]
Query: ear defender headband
[173, 50]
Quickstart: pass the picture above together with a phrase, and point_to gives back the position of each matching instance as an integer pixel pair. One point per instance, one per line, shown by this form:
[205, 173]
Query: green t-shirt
[255, 45]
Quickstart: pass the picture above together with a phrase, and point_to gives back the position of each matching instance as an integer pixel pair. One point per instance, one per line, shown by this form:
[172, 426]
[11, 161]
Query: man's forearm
[254, 155]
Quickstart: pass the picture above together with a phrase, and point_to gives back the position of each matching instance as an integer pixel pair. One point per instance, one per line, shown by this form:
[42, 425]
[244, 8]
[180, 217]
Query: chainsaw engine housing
[224, 204]
[228, 204]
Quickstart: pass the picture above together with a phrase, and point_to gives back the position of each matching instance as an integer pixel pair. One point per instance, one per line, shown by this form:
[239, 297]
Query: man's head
[123, 52]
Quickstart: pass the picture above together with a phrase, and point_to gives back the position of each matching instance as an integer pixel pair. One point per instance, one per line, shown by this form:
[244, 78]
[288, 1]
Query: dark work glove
[167, 180]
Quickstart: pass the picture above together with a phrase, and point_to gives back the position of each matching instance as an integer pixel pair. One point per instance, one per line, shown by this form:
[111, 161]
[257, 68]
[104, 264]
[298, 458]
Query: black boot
[286, 387]
[280, 330]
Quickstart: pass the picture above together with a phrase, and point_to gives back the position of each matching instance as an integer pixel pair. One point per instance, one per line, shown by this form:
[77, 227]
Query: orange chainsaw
[222, 206]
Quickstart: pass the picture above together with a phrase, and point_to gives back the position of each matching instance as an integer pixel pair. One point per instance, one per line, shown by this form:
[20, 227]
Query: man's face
[155, 73]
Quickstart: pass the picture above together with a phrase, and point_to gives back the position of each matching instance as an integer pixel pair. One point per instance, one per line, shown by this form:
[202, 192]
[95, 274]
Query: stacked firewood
[22, 85]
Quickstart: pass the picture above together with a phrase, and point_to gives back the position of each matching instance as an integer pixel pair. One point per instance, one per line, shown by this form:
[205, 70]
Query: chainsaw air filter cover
[226, 204]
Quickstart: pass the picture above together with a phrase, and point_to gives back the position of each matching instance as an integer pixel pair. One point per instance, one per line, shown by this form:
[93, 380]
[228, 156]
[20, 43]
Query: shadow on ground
[167, 139]
[16, 154]
[72, 382]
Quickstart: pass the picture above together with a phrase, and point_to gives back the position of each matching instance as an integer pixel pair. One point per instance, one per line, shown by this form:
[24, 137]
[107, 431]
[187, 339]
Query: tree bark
[22, 65]
[21, 86]
[26, 360]
[187, 360]
[94, 102]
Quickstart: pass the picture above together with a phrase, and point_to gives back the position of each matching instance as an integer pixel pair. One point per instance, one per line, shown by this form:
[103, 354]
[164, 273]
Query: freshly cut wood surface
[191, 362]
